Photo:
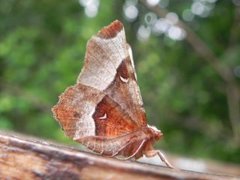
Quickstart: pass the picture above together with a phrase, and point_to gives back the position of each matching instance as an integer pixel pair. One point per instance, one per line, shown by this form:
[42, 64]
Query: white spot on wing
[125, 80]
[103, 117]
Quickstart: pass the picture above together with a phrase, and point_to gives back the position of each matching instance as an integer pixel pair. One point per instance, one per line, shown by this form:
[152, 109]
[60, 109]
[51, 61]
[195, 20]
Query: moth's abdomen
[103, 146]
[124, 145]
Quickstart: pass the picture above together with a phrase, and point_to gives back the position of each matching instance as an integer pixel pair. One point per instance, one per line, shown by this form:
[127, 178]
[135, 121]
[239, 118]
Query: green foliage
[42, 47]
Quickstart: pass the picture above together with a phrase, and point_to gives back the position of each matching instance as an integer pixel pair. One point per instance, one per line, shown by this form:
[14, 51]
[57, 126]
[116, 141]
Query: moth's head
[156, 133]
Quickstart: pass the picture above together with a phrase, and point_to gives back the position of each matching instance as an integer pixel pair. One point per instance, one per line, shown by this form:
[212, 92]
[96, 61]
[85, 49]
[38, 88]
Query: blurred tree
[186, 55]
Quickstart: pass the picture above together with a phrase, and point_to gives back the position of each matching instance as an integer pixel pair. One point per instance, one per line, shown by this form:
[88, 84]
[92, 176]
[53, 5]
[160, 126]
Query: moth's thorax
[155, 133]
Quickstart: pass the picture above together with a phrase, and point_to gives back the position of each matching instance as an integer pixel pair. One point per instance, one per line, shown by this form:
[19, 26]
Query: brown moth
[104, 109]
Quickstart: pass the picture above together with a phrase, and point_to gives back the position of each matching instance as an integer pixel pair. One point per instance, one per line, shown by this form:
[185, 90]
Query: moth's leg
[119, 150]
[121, 143]
[152, 153]
[138, 149]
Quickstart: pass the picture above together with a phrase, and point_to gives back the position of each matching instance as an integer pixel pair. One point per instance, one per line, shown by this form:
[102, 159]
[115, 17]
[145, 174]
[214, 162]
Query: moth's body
[104, 109]
[124, 145]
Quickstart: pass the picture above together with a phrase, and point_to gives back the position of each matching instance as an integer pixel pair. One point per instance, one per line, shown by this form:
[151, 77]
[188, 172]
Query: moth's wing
[83, 111]
[109, 68]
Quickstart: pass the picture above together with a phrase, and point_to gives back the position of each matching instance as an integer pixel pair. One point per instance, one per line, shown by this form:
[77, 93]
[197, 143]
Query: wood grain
[23, 157]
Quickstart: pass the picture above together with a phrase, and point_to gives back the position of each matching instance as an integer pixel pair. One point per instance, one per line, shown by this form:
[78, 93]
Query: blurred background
[187, 56]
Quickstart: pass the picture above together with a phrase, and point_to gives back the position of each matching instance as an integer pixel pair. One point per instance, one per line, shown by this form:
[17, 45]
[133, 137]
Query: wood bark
[23, 157]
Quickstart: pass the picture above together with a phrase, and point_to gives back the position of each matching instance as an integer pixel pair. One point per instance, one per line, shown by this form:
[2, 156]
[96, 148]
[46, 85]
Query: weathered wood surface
[30, 158]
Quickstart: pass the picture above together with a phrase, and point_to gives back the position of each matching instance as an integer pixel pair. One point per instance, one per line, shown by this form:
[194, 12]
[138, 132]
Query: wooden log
[23, 157]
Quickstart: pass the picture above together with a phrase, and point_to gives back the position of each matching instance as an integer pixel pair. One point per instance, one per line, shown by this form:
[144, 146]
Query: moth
[104, 109]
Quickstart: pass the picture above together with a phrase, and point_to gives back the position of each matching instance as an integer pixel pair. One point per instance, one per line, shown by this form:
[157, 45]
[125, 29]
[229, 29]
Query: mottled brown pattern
[72, 107]
[116, 123]
[66, 114]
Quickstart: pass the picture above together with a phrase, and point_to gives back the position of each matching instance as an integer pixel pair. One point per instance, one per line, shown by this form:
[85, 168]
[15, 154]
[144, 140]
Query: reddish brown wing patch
[83, 111]
[111, 31]
[111, 121]
[125, 91]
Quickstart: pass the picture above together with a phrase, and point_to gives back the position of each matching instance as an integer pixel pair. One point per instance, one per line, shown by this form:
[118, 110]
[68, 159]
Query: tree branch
[24, 157]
